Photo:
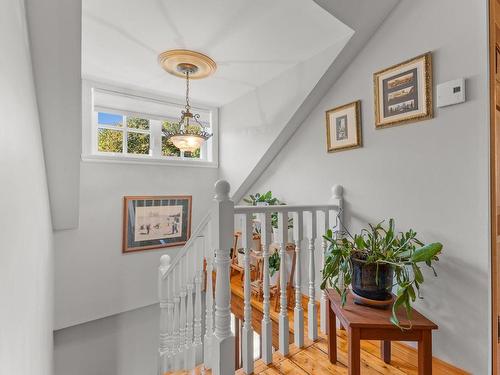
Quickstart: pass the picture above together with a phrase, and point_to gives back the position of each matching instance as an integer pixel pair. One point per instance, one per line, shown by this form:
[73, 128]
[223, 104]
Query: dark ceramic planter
[365, 283]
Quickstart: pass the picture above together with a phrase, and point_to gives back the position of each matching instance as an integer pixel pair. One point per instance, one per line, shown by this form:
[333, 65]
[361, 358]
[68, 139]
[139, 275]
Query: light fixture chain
[188, 106]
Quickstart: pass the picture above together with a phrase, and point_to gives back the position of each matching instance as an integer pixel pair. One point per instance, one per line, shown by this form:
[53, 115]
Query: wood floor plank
[312, 366]
[313, 357]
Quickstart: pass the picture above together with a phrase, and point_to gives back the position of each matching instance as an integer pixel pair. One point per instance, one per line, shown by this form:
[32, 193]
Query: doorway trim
[493, 180]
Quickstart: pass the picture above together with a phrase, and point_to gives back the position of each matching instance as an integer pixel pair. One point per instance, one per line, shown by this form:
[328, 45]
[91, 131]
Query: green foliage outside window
[110, 140]
[137, 143]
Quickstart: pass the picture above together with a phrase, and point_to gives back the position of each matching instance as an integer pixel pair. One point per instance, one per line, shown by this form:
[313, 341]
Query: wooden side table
[367, 323]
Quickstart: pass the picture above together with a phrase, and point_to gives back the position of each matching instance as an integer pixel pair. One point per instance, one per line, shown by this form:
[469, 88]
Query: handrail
[199, 229]
[283, 208]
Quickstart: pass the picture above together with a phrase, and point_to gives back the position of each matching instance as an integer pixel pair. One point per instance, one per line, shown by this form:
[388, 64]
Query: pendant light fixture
[189, 133]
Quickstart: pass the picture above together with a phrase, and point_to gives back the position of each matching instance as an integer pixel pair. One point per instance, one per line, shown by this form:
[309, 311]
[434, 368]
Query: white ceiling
[252, 41]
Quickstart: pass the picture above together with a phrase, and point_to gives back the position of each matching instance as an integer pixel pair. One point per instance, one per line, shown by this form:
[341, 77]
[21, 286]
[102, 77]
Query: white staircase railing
[183, 345]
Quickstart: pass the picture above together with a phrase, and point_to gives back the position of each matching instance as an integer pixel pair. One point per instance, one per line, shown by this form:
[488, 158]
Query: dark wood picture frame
[356, 108]
[182, 203]
[418, 92]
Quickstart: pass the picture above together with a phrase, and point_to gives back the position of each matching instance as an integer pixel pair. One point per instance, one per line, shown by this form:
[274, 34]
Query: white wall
[55, 32]
[123, 344]
[431, 176]
[252, 122]
[26, 255]
[93, 278]
[259, 124]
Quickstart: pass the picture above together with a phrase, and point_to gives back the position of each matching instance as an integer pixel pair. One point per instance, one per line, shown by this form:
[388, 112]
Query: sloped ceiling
[255, 127]
[252, 42]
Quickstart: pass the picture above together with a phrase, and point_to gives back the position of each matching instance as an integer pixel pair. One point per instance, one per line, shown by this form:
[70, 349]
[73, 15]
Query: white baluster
[170, 322]
[298, 311]
[224, 233]
[284, 330]
[175, 338]
[189, 358]
[182, 313]
[323, 301]
[164, 318]
[312, 318]
[337, 197]
[209, 312]
[197, 343]
[267, 334]
[247, 336]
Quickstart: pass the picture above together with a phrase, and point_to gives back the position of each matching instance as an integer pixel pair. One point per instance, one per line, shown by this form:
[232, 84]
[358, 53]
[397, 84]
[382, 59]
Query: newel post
[223, 233]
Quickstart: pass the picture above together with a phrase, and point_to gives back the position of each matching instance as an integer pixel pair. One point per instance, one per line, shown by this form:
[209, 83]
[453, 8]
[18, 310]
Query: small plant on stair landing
[376, 260]
[268, 200]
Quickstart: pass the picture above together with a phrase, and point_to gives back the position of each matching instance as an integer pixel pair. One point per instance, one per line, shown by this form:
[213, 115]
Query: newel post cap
[337, 191]
[165, 261]
[222, 189]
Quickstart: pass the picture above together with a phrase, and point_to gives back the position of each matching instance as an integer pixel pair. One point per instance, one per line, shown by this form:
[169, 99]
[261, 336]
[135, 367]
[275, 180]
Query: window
[120, 125]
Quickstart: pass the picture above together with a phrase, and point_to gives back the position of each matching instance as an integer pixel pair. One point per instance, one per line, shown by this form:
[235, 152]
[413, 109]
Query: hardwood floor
[312, 359]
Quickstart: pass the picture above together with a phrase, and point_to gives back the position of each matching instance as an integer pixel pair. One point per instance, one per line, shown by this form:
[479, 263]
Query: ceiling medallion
[189, 133]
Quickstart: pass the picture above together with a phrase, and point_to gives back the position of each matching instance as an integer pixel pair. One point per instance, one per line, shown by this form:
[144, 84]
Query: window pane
[138, 143]
[110, 140]
[168, 148]
[195, 154]
[112, 119]
[137, 123]
[166, 126]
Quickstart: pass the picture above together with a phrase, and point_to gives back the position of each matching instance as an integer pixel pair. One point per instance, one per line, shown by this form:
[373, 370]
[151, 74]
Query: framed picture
[403, 92]
[343, 127]
[153, 222]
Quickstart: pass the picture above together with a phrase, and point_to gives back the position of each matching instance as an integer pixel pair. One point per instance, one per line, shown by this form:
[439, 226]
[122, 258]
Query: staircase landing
[312, 359]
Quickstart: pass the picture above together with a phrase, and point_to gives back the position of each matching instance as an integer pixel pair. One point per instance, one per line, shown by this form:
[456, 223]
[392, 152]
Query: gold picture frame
[403, 92]
[347, 122]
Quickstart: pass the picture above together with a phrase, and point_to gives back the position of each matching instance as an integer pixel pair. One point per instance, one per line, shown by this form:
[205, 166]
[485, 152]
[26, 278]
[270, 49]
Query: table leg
[332, 335]
[354, 351]
[425, 353]
[385, 351]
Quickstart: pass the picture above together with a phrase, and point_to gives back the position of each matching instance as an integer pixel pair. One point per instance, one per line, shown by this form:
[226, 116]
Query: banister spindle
[176, 337]
[165, 299]
[182, 312]
[223, 237]
[298, 311]
[283, 315]
[197, 343]
[267, 336]
[189, 362]
[170, 324]
[338, 199]
[312, 318]
[323, 301]
[209, 309]
[247, 336]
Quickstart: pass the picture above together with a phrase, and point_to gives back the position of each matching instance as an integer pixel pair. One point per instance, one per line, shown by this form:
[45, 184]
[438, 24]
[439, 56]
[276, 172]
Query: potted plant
[267, 199]
[274, 267]
[376, 260]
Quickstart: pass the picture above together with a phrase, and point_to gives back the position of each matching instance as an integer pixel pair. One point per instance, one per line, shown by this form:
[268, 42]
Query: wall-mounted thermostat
[451, 92]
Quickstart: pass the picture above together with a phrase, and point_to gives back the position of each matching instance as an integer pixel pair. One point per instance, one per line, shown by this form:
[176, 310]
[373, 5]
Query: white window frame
[90, 153]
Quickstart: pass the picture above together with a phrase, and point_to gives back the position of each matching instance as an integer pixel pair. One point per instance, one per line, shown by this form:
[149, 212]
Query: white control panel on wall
[451, 92]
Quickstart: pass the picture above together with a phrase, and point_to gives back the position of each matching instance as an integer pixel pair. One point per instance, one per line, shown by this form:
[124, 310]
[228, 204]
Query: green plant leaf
[419, 278]
[427, 252]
